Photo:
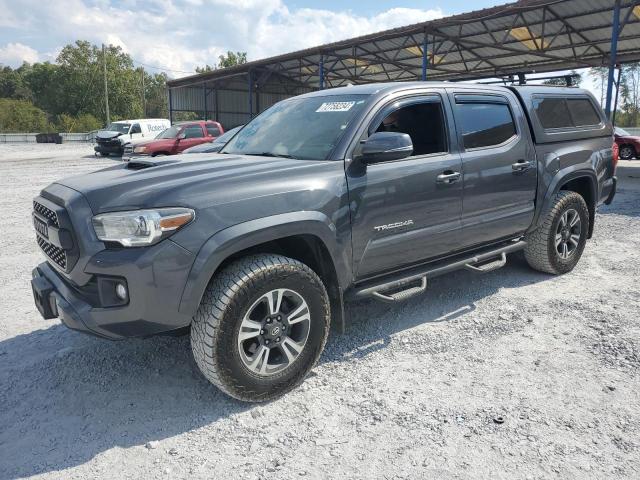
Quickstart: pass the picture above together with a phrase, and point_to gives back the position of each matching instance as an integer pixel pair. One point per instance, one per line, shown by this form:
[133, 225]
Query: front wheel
[557, 244]
[261, 326]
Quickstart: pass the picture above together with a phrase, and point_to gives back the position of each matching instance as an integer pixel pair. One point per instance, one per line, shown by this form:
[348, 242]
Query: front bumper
[155, 277]
[102, 148]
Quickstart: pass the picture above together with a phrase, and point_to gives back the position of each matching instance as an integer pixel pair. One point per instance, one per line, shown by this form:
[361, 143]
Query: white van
[117, 134]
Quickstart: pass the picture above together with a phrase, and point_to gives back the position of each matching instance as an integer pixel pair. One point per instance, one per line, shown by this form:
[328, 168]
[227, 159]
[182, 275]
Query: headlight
[139, 149]
[141, 227]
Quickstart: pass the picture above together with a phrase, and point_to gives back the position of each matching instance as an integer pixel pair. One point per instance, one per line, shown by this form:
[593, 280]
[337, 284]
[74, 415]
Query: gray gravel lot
[411, 391]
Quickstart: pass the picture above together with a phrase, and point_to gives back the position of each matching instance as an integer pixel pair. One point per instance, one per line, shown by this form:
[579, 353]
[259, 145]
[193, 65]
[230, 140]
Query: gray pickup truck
[355, 192]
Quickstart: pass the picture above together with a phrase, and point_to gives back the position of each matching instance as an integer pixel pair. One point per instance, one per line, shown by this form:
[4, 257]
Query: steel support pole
[615, 103]
[425, 58]
[171, 106]
[615, 32]
[321, 72]
[204, 99]
[250, 80]
[215, 104]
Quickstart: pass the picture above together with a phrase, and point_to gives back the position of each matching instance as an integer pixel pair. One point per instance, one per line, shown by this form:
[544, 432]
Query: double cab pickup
[365, 191]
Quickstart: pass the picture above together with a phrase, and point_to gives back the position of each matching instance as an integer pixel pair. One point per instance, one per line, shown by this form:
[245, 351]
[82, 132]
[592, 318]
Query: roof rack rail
[570, 80]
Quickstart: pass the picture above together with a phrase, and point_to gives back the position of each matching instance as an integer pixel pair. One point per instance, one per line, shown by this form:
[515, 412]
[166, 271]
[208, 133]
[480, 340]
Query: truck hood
[157, 143]
[107, 134]
[196, 181]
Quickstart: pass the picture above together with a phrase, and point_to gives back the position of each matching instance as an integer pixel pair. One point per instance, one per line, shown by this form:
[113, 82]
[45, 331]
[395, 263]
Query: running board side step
[488, 267]
[404, 294]
[418, 278]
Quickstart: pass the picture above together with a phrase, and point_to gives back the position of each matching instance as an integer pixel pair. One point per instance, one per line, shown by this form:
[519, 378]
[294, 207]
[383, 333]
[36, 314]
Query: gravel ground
[512, 374]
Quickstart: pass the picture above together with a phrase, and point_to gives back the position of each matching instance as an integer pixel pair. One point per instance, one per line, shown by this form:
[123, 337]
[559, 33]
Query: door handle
[448, 177]
[521, 165]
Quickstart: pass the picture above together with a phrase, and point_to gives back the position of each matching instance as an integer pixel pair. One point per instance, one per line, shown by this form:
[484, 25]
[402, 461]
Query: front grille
[56, 254]
[108, 142]
[47, 213]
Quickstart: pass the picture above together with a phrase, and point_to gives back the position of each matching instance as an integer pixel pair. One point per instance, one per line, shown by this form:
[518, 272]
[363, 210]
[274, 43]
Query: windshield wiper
[271, 154]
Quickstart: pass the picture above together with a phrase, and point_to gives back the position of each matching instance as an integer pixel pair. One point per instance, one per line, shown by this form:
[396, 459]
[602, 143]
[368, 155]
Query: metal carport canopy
[521, 37]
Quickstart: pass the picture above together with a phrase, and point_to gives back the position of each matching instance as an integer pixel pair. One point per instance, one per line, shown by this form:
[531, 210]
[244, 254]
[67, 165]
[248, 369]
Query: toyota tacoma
[361, 192]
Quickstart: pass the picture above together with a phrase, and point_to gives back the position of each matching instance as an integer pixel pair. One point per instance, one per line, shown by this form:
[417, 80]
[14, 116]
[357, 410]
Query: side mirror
[182, 136]
[386, 146]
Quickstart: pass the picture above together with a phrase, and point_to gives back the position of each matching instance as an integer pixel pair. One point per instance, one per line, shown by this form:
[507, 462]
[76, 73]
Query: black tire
[627, 152]
[541, 251]
[227, 301]
[104, 154]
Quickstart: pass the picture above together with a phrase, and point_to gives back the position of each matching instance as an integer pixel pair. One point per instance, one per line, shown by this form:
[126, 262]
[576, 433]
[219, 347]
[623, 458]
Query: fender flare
[245, 235]
[560, 178]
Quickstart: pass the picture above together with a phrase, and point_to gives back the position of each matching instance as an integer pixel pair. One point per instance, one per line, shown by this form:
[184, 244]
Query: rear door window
[193, 131]
[485, 124]
[213, 130]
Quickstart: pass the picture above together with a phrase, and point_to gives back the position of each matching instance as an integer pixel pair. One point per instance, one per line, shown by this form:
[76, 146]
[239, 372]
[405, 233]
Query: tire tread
[537, 250]
[208, 322]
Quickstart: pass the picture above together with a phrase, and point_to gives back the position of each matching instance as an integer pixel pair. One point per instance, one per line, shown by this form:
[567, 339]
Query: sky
[179, 35]
[176, 36]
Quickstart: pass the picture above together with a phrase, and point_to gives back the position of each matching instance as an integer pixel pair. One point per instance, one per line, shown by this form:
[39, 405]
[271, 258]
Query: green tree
[12, 83]
[156, 95]
[21, 116]
[84, 122]
[630, 95]
[81, 77]
[601, 74]
[562, 82]
[231, 59]
[206, 68]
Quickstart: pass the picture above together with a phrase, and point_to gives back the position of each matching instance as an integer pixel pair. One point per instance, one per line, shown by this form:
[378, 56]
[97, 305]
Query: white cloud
[15, 54]
[183, 34]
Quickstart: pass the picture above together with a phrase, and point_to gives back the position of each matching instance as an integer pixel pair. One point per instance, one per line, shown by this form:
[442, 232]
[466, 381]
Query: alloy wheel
[274, 331]
[568, 233]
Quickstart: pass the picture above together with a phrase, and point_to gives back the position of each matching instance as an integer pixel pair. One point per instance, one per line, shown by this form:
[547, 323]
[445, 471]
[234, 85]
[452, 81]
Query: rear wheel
[261, 327]
[104, 154]
[627, 152]
[557, 245]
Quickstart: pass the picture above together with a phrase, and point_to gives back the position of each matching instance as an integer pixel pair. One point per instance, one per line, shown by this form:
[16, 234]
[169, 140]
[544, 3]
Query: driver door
[407, 211]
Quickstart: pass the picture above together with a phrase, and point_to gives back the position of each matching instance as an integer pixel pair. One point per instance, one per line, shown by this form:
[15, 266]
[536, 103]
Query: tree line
[68, 95]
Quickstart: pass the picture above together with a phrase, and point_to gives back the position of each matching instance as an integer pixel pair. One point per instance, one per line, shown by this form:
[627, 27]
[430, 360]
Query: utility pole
[144, 100]
[106, 89]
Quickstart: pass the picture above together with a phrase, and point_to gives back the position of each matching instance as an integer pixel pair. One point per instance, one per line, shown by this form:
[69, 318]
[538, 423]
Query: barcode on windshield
[335, 107]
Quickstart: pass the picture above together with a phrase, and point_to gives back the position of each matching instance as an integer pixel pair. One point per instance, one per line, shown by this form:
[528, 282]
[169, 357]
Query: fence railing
[31, 137]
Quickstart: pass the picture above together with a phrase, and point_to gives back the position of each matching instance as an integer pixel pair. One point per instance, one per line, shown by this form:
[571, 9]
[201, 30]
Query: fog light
[121, 291]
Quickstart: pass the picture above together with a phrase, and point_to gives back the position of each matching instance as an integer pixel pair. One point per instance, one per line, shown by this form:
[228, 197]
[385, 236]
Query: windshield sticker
[335, 107]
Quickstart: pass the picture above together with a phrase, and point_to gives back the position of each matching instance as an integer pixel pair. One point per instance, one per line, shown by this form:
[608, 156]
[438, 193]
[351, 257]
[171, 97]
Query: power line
[161, 68]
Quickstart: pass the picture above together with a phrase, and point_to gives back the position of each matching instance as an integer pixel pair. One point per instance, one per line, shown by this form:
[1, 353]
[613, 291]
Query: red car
[179, 137]
[629, 145]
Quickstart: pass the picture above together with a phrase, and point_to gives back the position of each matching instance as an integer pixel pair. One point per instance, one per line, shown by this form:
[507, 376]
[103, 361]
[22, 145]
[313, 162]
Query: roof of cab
[392, 87]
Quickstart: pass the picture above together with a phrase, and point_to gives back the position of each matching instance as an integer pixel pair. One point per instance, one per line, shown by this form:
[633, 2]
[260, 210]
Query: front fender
[245, 235]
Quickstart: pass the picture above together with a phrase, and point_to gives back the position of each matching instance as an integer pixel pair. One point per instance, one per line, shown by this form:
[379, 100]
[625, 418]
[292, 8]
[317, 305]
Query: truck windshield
[171, 132]
[305, 128]
[119, 127]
